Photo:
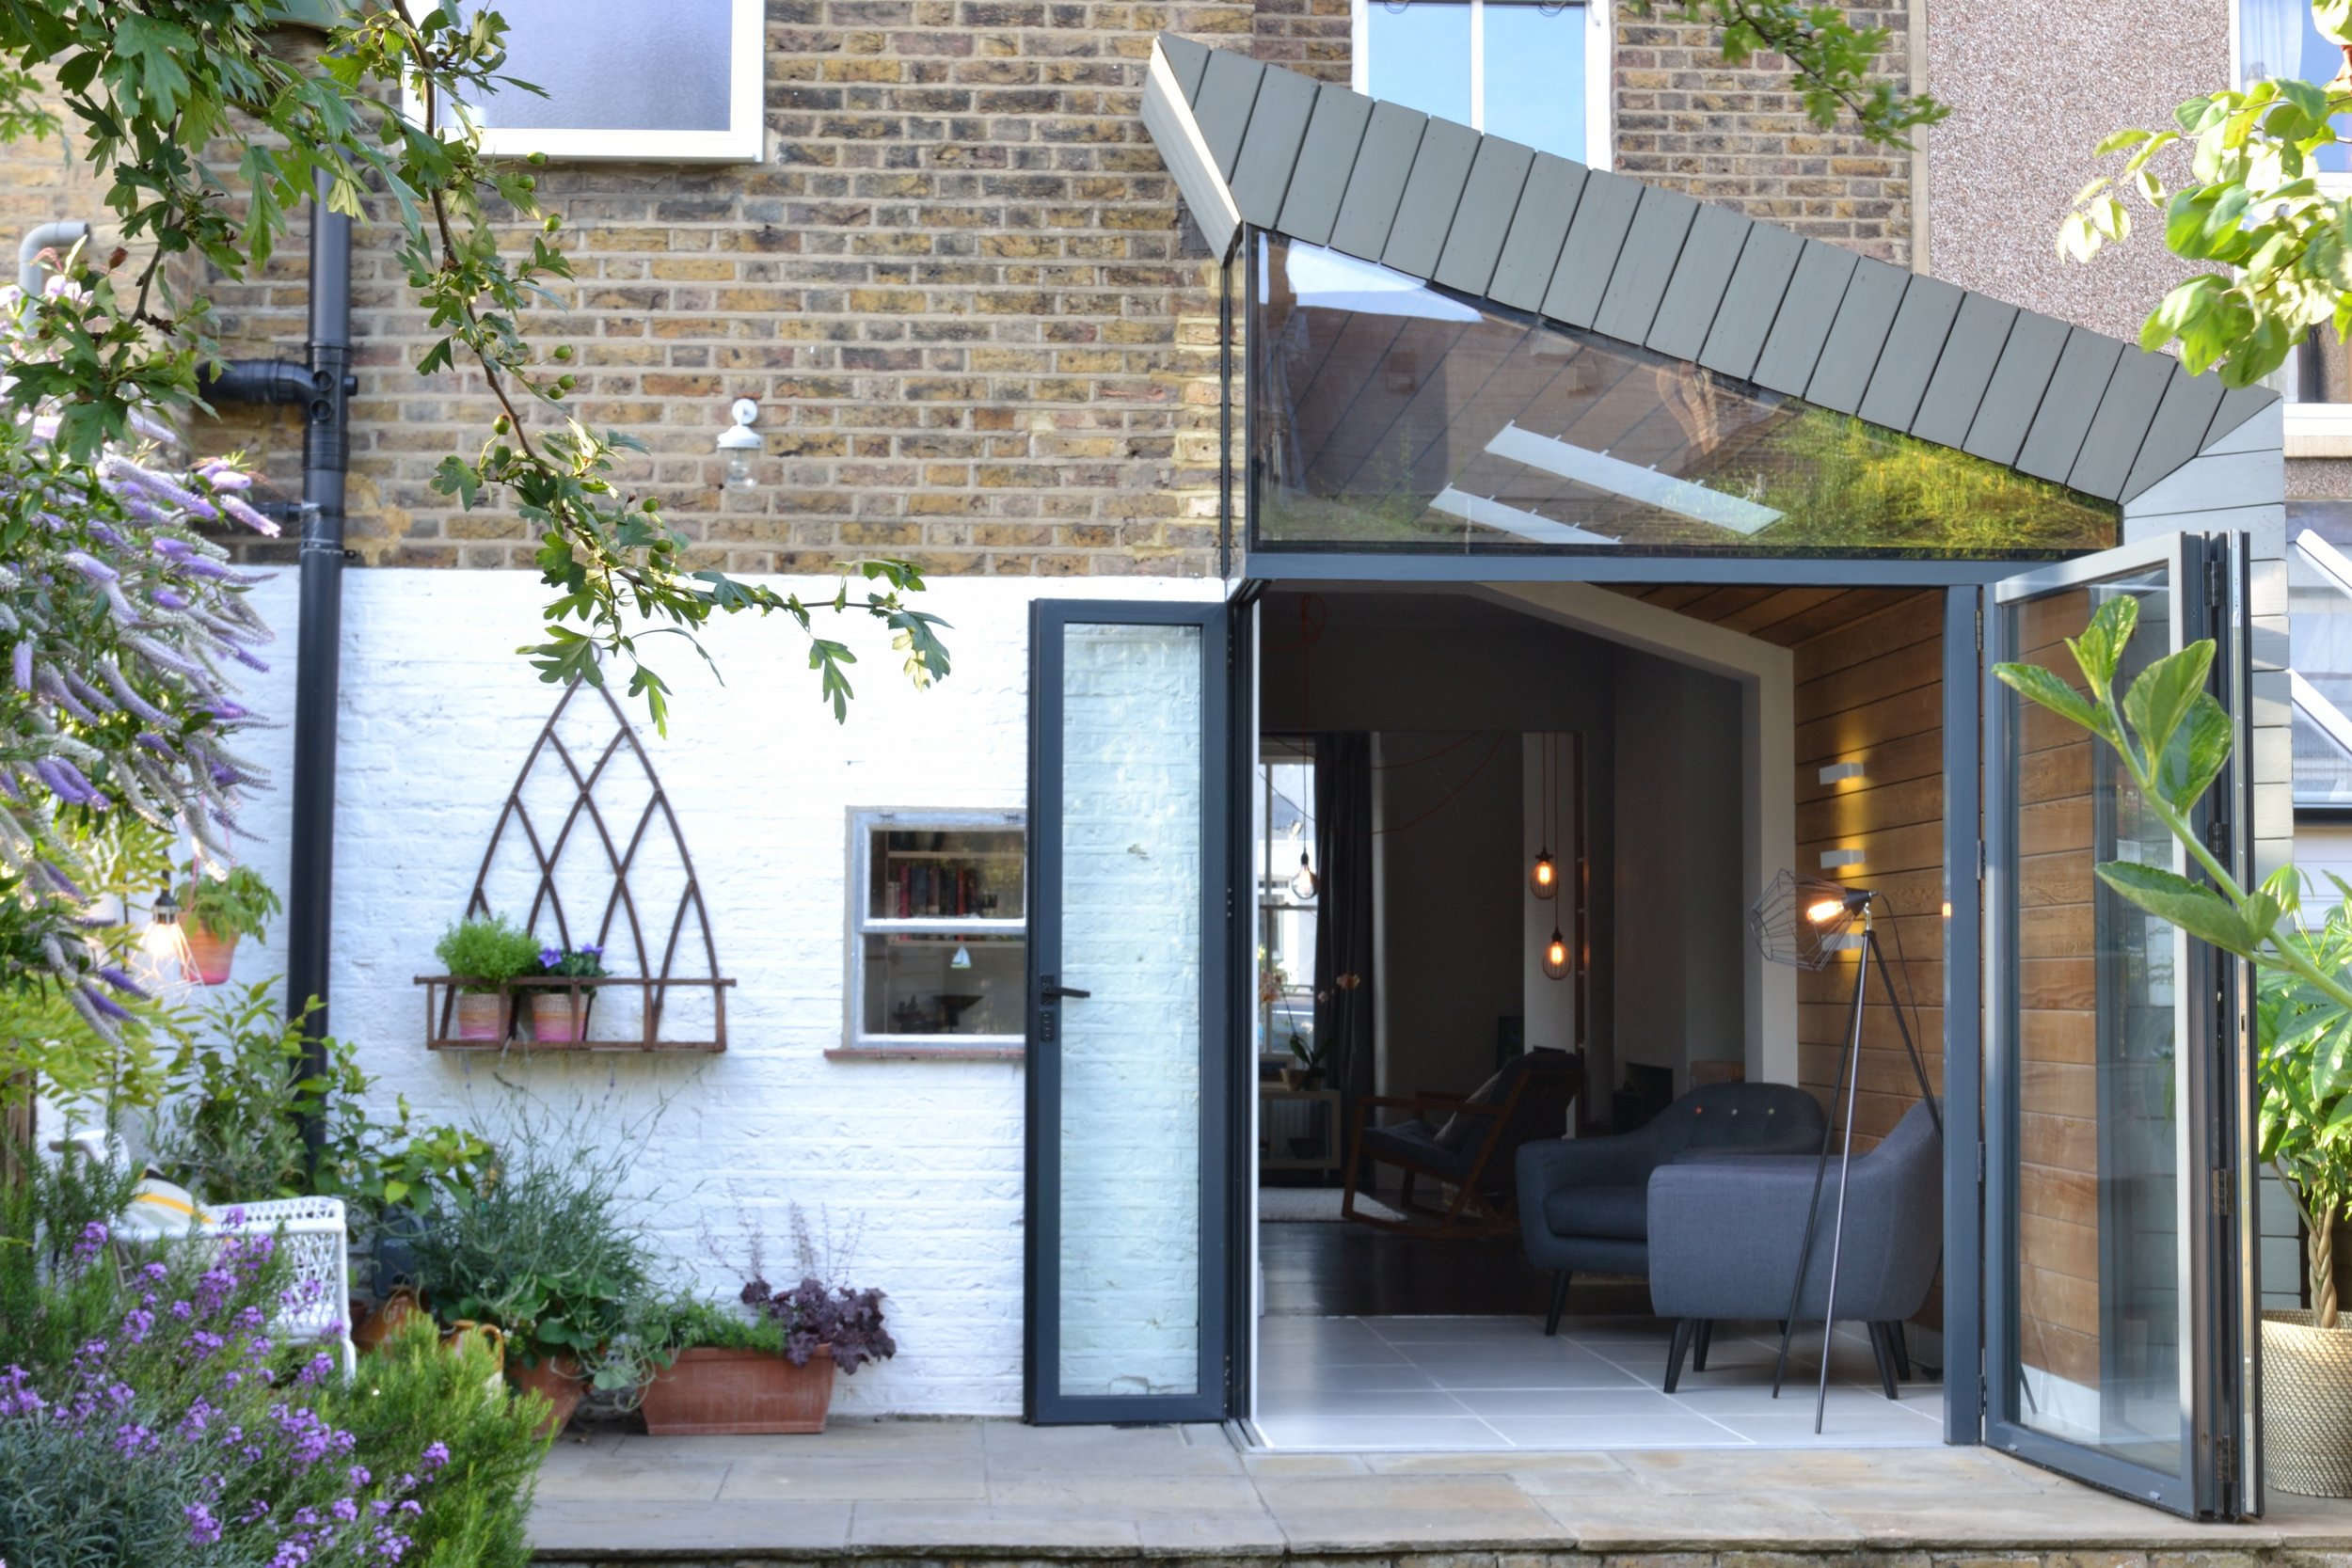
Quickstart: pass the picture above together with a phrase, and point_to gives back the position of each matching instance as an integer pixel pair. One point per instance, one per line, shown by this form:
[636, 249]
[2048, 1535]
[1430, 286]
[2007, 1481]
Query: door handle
[1049, 990]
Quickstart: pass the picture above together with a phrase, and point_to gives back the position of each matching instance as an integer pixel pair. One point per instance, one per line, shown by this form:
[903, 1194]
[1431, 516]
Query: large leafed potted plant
[771, 1371]
[2174, 740]
[482, 956]
[216, 913]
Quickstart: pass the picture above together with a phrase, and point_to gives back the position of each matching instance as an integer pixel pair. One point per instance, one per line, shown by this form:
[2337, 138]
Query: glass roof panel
[1391, 415]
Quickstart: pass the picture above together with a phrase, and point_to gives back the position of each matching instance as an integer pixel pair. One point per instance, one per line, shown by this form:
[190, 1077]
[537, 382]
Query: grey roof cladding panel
[1531, 250]
[1277, 126]
[1858, 336]
[2120, 429]
[1221, 108]
[1376, 184]
[1334, 132]
[1474, 244]
[1433, 191]
[1188, 61]
[1948, 406]
[1596, 235]
[1638, 282]
[2239, 404]
[1794, 347]
[2013, 396]
[1708, 255]
[1914, 346]
[1767, 263]
[2178, 431]
[2084, 368]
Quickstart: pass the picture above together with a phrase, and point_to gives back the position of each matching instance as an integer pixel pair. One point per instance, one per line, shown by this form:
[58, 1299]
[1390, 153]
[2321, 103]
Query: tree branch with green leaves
[2173, 740]
[1831, 60]
[2252, 208]
[208, 137]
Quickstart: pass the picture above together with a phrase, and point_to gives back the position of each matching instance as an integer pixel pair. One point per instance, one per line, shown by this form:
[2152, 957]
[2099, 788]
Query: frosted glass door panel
[1131, 1050]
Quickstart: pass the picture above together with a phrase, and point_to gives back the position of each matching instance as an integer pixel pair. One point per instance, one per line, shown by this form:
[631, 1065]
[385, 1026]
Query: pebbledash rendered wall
[924, 1159]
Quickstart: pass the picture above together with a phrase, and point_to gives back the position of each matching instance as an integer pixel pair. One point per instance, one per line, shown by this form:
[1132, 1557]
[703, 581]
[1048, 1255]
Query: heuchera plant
[814, 1314]
[189, 1386]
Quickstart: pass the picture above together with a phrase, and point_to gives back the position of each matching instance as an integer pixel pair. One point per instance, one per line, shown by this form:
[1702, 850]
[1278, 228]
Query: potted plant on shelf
[559, 1014]
[482, 956]
[2174, 740]
[216, 911]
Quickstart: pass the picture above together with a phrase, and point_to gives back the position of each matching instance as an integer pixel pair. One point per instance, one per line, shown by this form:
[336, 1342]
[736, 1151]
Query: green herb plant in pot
[2174, 740]
[481, 957]
[217, 911]
[559, 1013]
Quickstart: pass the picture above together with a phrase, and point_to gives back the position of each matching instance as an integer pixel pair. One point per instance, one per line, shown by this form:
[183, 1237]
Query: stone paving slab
[932, 1492]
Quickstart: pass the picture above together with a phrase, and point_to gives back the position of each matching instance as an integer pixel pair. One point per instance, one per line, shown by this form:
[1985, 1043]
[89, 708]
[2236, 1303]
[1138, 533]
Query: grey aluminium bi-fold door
[1128, 1223]
[2119, 1295]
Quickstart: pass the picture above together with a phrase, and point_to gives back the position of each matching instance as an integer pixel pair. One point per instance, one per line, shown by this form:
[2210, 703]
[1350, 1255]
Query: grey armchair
[1585, 1203]
[1724, 1241]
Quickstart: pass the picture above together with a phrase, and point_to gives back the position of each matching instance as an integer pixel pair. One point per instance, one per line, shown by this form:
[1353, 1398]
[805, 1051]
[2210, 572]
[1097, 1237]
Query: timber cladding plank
[1335, 129]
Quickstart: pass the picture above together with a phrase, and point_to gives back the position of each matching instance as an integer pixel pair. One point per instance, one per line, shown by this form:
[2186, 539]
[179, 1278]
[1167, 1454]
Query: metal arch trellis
[621, 904]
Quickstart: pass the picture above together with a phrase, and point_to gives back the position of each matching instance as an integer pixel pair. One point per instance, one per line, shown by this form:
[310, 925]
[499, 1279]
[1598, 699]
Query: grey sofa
[1724, 1239]
[1585, 1203]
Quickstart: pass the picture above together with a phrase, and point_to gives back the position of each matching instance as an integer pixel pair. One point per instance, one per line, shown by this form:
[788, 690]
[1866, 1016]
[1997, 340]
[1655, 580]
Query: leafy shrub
[71, 1499]
[49, 1311]
[240, 904]
[414, 1391]
[689, 1322]
[551, 1253]
[814, 1314]
[489, 951]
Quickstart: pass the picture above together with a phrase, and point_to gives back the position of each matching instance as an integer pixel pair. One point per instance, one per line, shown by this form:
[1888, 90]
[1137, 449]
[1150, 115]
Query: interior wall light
[1838, 772]
[741, 443]
[1836, 860]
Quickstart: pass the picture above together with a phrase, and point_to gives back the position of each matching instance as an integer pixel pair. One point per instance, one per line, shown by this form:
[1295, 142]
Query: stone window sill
[926, 1054]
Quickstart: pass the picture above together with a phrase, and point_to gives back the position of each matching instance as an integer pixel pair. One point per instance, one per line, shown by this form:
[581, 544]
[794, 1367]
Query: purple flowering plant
[188, 1386]
[585, 962]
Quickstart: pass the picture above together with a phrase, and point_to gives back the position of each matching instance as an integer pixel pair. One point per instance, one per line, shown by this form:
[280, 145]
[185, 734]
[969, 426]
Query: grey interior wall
[1678, 910]
[1448, 853]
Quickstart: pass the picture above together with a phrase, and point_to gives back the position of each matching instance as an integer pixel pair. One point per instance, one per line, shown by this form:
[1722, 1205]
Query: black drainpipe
[322, 386]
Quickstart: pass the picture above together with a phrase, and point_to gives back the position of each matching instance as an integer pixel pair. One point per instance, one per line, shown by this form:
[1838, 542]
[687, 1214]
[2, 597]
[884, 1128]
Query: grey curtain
[2270, 37]
[1343, 909]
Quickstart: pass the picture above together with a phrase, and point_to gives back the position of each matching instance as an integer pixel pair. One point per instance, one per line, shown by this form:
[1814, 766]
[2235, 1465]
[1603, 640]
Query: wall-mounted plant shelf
[587, 814]
[440, 1008]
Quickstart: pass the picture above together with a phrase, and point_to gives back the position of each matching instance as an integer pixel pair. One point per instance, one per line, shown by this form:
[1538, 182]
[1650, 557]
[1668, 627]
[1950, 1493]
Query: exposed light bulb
[164, 943]
[1303, 885]
[1543, 880]
[1556, 957]
[1825, 912]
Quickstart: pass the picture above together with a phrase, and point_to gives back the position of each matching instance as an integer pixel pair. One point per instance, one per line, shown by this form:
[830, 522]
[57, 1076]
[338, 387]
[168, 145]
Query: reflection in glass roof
[1389, 415]
[2319, 644]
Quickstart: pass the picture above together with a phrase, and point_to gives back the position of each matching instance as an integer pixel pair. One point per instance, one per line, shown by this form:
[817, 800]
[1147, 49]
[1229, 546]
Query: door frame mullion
[1964, 857]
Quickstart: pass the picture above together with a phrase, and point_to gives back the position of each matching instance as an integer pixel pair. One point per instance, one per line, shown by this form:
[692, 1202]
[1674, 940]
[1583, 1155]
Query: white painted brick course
[436, 715]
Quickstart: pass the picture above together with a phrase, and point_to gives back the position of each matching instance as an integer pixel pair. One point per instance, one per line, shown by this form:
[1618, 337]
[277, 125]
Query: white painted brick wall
[437, 712]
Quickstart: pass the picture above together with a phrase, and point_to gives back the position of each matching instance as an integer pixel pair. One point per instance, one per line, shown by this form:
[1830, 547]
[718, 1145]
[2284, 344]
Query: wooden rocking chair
[1469, 1145]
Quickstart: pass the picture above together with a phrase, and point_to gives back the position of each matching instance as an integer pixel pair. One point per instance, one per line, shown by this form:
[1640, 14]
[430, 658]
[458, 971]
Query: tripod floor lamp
[1807, 922]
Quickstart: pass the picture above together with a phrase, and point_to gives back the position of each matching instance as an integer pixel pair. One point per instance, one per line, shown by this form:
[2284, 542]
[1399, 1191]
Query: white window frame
[865, 822]
[1600, 39]
[744, 140]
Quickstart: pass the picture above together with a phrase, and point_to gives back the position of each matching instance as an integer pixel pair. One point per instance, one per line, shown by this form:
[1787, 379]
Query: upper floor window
[677, 82]
[1534, 72]
[2278, 38]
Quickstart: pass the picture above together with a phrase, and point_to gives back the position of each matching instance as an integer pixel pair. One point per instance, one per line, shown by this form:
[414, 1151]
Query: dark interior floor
[1349, 1270]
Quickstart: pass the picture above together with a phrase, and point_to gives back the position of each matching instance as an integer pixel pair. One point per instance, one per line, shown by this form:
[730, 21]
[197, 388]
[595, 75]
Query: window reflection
[1392, 416]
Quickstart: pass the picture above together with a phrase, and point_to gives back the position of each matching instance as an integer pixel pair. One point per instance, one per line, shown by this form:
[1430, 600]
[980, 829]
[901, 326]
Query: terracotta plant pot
[481, 1015]
[489, 1336]
[209, 953]
[557, 1380]
[386, 1320]
[2307, 1406]
[559, 1016]
[708, 1392]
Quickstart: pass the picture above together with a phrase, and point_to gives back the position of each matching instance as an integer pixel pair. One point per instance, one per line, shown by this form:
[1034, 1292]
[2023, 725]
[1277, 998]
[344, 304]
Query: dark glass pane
[1535, 76]
[945, 873]
[1392, 416]
[1418, 53]
[617, 68]
[944, 985]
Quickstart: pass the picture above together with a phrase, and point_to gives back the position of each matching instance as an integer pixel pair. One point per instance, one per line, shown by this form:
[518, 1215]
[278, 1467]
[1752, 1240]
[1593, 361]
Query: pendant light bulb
[963, 959]
[1303, 885]
[1556, 957]
[1543, 880]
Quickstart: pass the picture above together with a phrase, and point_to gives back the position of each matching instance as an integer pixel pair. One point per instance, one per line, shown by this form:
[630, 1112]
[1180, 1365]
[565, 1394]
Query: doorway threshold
[1455, 1384]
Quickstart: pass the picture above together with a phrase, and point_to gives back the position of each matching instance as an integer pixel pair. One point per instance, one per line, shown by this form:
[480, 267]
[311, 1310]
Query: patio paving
[902, 1489]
